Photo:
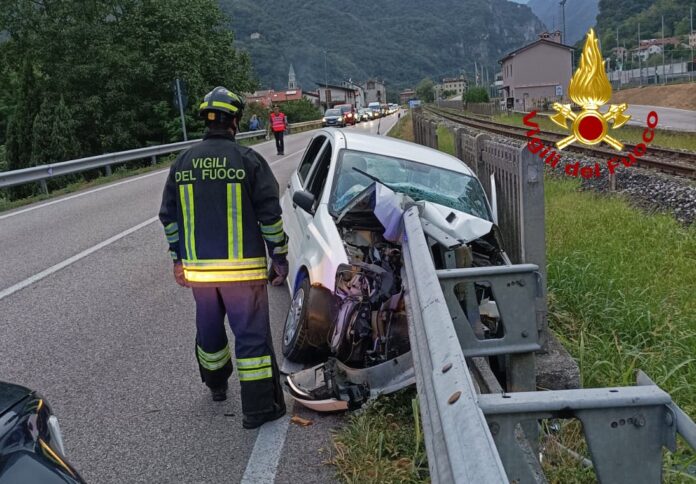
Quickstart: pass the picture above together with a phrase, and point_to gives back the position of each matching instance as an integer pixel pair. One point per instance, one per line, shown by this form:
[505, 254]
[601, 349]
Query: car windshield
[332, 112]
[417, 180]
[345, 108]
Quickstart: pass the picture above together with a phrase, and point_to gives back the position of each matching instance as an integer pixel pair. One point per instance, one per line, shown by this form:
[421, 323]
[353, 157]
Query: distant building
[692, 39]
[406, 95]
[620, 53]
[457, 85]
[360, 96]
[255, 36]
[645, 51]
[375, 91]
[269, 97]
[312, 96]
[330, 95]
[539, 71]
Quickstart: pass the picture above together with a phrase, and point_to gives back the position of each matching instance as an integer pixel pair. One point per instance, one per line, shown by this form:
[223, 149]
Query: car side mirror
[305, 200]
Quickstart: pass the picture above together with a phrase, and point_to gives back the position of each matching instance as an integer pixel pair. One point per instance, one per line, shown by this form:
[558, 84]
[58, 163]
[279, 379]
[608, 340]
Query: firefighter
[221, 214]
[278, 124]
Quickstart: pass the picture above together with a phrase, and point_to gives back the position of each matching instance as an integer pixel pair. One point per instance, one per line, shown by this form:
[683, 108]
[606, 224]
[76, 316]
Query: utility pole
[691, 31]
[664, 76]
[181, 108]
[326, 84]
[640, 58]
[563, 37]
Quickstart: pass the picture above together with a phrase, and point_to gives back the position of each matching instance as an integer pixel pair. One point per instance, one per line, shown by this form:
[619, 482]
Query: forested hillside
[627, 15]
[401, 41]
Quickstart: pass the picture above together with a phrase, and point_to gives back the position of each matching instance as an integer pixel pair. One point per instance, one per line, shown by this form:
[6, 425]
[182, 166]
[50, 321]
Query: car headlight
[323, 120]
[56, 435]
[340, 119]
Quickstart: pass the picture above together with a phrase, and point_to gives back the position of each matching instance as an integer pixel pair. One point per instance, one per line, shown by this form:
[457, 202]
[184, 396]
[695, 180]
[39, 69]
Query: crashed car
[342, 211]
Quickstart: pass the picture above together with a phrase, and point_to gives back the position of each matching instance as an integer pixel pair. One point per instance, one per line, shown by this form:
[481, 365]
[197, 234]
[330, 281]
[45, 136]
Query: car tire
[296, 345]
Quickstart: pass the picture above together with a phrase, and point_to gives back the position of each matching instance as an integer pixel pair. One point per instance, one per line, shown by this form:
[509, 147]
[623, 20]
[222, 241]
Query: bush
[300, 111]
[477, 95]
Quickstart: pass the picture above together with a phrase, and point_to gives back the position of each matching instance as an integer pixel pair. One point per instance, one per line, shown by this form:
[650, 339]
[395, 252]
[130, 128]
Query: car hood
[10, 395]
[387, 207]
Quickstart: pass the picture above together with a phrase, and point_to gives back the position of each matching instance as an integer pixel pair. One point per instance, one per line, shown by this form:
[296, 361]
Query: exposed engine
[371, 325]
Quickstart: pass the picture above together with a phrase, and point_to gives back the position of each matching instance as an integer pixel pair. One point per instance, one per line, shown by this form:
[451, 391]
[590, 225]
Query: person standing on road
[278, 124]
[221, 213]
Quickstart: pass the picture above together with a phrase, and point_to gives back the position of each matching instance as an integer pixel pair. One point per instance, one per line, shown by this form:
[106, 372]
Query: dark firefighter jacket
[220, 204]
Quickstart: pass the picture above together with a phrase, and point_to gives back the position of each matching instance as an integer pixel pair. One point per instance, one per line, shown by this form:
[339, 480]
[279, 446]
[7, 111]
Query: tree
[425, 90]
[300, 111]
[476, 95]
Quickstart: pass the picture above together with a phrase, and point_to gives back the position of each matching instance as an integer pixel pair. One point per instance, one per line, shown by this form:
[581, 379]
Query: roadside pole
[181, 108]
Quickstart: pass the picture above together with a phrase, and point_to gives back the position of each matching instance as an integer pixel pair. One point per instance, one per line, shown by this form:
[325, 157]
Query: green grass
[403, 129]
[630, 134]
[622, 297]
[383, 443]
[445, 140]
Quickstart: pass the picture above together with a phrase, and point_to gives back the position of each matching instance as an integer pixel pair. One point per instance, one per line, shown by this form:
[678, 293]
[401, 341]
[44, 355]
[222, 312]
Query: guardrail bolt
[447, 368]
[669, 418]
[494, 428]
[454, 397]
[639, 421]
[525, 334]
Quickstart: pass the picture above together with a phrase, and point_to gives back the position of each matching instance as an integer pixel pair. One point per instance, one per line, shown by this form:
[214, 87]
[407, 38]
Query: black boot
[257, 420]
[219, 393]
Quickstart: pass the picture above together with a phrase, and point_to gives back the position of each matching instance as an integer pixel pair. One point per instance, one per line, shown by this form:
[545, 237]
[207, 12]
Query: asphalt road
[668, 118]
[103, 332]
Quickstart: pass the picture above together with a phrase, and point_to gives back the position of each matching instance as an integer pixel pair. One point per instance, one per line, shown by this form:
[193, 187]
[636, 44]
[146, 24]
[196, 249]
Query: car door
[292, 220]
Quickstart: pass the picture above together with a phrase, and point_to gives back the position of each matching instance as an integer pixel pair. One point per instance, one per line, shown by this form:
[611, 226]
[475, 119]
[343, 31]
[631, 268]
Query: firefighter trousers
[246, 308]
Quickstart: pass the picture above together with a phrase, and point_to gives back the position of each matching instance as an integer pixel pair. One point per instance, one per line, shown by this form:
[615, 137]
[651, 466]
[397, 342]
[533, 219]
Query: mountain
[399, 41]
[627, 16]
[580, 15]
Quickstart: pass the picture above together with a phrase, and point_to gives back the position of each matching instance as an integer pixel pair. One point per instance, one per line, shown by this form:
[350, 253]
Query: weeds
[383, 443]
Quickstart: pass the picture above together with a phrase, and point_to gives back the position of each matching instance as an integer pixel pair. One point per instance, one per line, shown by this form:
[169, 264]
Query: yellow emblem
[590, 89]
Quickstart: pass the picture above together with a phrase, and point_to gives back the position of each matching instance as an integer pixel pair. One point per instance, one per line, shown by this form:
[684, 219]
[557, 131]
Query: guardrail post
[107, 169]
[44, 187]
[153, 160]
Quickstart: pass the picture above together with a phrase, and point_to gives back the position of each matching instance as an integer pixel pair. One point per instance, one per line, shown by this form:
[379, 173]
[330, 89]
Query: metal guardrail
[459, 445]
[41, 173]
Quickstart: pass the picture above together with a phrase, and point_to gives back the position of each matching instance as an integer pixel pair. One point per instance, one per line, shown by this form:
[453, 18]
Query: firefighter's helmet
[219, 103]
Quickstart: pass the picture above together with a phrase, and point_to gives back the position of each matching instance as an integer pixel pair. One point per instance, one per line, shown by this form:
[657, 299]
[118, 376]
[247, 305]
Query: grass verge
[631, 134]
[383, 443]
[403, 129]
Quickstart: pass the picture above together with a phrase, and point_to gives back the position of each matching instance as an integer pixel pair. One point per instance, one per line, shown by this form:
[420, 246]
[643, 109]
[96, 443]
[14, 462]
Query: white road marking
[285, 157]
[45, 273]
[105, 187]
[263, 461]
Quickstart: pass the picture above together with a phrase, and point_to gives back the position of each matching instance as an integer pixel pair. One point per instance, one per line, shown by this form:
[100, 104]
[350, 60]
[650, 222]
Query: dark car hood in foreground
[10, 394]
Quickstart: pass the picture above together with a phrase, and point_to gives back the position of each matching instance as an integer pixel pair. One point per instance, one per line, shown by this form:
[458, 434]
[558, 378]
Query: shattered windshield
[417, 180]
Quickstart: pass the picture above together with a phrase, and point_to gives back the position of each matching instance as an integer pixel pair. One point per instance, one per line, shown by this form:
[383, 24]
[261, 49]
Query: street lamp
[326, 84]
[563, 2]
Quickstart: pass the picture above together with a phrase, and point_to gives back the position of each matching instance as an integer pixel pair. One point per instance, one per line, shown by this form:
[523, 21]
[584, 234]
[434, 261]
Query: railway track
[666, 160]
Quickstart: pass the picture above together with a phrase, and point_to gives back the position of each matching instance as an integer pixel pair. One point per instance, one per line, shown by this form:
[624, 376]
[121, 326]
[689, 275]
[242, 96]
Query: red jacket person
[278, 124]
[221, 214]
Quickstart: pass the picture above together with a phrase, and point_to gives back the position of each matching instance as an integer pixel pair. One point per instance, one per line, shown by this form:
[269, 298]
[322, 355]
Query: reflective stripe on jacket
[221, 212]
[278, 122]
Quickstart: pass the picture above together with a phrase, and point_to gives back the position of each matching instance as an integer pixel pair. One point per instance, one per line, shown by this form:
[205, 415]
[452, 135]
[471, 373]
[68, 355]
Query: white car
[342, 211]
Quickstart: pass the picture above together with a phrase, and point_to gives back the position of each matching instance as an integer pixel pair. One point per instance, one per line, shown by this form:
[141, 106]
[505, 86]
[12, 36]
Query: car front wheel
[296, 346]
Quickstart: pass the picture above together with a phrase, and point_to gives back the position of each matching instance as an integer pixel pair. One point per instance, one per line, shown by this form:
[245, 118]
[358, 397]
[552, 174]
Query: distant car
[333, 117]
[31, 444]
[348, 112]
[376, 110]
[364, 114]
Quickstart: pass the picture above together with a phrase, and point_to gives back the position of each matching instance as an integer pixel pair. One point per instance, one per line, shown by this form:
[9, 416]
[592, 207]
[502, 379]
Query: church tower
[292, 83]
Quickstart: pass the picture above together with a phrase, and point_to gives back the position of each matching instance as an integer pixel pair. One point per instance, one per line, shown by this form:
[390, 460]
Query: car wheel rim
[293, 320]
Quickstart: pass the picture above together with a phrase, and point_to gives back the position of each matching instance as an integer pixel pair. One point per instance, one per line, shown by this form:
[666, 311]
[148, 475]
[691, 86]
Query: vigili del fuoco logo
[590, 89]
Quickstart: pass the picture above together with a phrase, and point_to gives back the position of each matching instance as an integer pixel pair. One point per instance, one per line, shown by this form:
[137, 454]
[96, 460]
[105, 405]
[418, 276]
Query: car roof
[385, 146]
